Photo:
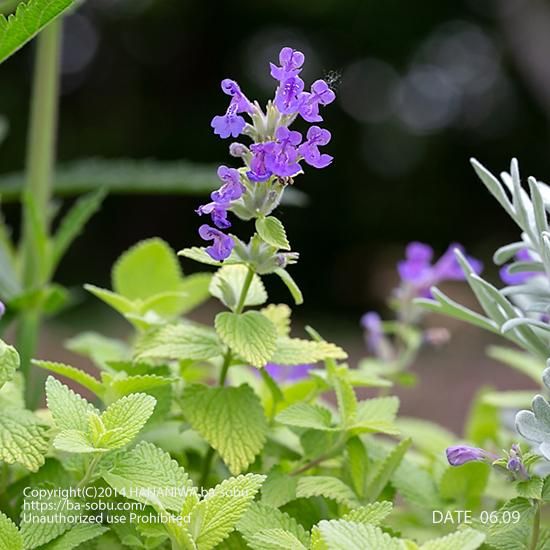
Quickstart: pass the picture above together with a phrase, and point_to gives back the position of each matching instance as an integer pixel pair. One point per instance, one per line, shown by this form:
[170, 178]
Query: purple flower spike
[461, 454]
[221, 247]
[418, 271]
[320, 94]
[310, 149]
[258, 169]
[282, 373]
[288, 96]
[230, 124]
[291, 61]
[372, 324]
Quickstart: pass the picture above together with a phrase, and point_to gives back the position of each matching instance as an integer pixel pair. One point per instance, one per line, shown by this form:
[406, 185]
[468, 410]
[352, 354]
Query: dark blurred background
[421, 87]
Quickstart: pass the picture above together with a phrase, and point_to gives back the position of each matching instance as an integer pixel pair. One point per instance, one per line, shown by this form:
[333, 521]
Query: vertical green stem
[536, 527]
[39, 168]
[207, 462]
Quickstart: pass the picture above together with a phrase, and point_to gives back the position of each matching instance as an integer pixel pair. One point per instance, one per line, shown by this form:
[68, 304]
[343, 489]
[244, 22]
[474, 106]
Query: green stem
[338, 446]
[207, 462]
[536, 527]
[39, 169]
[89, 471]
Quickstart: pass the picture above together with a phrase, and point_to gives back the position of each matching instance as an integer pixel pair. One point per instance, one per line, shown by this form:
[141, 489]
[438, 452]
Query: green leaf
[146, 269]
[126, 417]
[217, 412]
[112, 299]
[376, 415]
[293, 288]
[69, 410]
[279, 315]
[347, 400]
[77, 375]
[10, 539]
[22, 439]
[427, 436]
[305, 415]
[149, 475]
[344, 535]
[215, 517]
[510, 399]
[29, 19]
[198, 254]
[78, 535]
[384, 469]
[123, 385]
[250, 335]
[227, 285]
[483, 422]
[416, 486]
[73, 223]
[465, 539]
[98, 348]
[295, 351]
[328, 487]
[260, 517]
[356, 461]
[9, 362]
[275, 539]
[464, 483]
[531, 488]
[372, 514]
[278, 489]
[272, 231]
[179, 342]
[75, 441]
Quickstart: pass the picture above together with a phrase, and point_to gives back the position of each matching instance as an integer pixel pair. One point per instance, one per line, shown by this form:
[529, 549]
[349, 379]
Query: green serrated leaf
[275, 539]
[251, 335]
[357, 461]
[149, 475]
[78, 535]
[77, 375]
[278, 489]
[198, 254]
[98, 348]
[118, 302]
[260, 517]
[295, 351]
[416, 486]
[279, 315]
[216, 412]
[272, 231]
[344, 535]
[465, 539]
[531, 488]
[148, 268]
[376, 415]
[328, 487]
[227, 285]
[127, 416]
[29, 19]
[179, 342]
[384, 469]
[215, 517]
[464, 483]
[9, 362]
[305, 415]
[10, 539]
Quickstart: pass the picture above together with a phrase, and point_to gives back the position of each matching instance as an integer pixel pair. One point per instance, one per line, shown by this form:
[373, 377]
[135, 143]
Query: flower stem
[536, 527]
[89, 471]
[207, 462]
[39, 169]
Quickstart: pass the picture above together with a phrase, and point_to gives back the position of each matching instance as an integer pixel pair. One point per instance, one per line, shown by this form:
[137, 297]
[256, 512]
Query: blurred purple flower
[2, 309]
[291, 61]
[461, 454]
[283, 373]
[310, 149]
[508, 278]
[372, 323]
[320, 94]
[418, 271]
[221, 247]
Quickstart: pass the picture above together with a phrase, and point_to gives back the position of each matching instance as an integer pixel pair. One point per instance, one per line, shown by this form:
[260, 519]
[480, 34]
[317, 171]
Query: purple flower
[283, 160]
[218, 213]
[288, 97]
[291, 60]
[515, 462]
[461, 454]
[523, 255]
[310, 149]
[320, 94]
[418, 271]
[230, 87]
[221, 247]
[230, 124]
[258, 170]
[282, 373]
[232, 188]
[2, 309]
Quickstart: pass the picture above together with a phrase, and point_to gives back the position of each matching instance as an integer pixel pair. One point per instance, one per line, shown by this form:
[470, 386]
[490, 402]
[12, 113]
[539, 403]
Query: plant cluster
[242, 435]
